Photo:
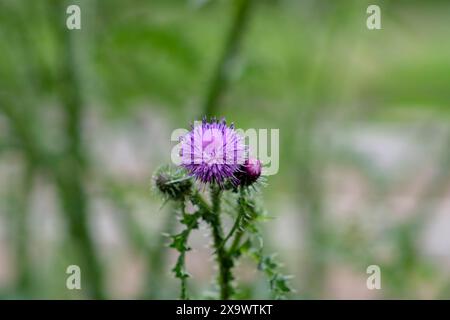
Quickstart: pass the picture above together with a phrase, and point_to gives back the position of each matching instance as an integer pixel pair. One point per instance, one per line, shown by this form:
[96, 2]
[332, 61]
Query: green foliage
[180, 243]
[246, 215]
[249, 213]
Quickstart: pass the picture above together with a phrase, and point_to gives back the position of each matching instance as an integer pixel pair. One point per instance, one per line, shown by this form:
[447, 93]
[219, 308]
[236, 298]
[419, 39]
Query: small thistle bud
[249, 172]
[173, 184]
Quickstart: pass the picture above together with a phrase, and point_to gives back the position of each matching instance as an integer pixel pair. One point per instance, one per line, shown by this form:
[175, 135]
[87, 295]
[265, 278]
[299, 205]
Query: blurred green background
[86, 117]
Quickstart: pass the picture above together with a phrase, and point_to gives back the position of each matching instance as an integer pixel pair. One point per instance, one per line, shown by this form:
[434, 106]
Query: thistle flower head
[249, 172]
[172, 183]
[212, 151]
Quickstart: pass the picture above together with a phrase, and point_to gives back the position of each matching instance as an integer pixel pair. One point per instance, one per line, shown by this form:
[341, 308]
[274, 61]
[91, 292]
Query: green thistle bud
[172, 183]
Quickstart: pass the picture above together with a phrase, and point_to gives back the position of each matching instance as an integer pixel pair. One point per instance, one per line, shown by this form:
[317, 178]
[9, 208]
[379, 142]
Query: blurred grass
[302, 66]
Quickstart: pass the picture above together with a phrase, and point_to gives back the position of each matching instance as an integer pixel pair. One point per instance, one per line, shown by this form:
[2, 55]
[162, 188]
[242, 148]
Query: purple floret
[212, 152]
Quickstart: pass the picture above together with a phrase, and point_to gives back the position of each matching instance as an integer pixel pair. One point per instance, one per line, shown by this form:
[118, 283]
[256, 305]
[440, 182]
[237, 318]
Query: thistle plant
[217, 177]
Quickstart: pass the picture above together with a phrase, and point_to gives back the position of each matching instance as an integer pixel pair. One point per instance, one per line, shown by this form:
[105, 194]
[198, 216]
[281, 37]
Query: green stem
[183, 294]
[180, 243]
[212, 216]
[235, 229]
[236, 241]
[23, 259]
[198, 200]
[220, 77]
[240, 231]
[72, 167]
[224, 261]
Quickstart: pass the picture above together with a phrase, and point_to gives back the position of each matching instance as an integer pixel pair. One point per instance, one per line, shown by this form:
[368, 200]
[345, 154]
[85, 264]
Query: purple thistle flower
[212, 151]
[249, 172]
